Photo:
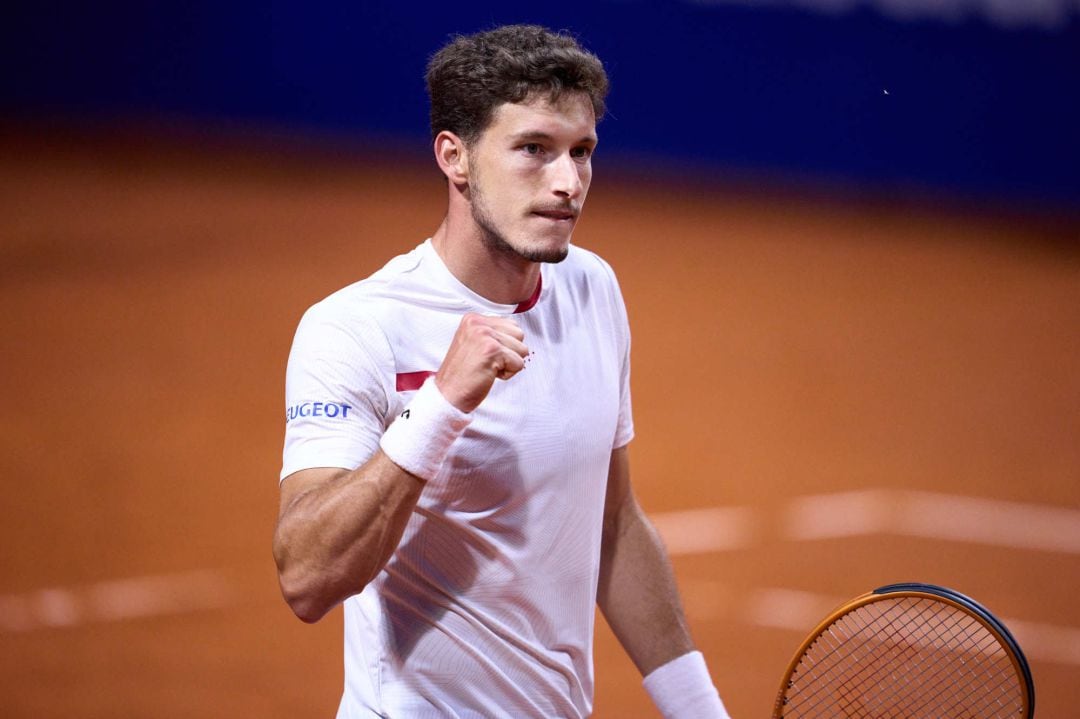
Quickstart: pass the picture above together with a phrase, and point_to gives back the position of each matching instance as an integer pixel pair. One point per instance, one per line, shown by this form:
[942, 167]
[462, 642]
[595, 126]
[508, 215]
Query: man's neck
[492, 274]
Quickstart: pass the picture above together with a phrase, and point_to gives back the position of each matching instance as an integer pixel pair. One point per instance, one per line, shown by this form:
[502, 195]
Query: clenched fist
[484, 349]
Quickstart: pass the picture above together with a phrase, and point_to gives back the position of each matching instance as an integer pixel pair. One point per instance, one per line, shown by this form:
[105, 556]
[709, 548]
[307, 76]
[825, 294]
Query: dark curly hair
[472, 75]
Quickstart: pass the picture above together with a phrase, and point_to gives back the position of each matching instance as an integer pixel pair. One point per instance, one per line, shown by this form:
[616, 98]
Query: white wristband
[420, 438]
[683, 689]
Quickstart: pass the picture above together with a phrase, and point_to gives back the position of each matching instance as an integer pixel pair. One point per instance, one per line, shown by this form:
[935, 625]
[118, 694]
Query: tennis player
[455, 466]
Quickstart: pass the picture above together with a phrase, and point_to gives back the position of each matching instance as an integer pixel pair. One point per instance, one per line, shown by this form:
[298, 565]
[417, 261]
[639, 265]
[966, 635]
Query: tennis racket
[908, 651]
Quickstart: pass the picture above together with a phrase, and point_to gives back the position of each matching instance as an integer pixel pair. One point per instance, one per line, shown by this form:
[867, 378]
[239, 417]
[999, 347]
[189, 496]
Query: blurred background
[848, 233]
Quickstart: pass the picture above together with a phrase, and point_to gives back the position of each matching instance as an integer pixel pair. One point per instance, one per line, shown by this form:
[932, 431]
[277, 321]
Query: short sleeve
[624, 428]
[336, 399]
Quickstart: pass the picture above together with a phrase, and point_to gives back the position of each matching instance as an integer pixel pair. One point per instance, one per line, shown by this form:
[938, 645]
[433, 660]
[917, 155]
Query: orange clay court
[831, 393]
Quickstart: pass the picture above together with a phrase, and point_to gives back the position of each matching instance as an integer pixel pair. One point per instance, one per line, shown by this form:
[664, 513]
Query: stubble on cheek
[495, 238]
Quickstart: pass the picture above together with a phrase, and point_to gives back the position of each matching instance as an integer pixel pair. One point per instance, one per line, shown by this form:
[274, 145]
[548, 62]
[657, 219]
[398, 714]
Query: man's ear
[453, 157]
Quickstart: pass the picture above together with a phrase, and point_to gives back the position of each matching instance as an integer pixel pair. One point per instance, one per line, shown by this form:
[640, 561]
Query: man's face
[529, 173]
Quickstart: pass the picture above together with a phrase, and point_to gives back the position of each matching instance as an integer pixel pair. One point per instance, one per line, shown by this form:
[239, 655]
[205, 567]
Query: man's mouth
[560, 214]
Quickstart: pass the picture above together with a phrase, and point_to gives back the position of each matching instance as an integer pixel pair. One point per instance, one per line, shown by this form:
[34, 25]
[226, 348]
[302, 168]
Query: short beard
[494, 240]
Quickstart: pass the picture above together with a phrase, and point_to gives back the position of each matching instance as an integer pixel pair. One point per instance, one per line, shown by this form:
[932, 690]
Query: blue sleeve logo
[318, 409]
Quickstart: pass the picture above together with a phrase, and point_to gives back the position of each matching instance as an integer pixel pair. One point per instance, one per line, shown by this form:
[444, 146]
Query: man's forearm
[638, 597]
[637, 591]
[332, 539]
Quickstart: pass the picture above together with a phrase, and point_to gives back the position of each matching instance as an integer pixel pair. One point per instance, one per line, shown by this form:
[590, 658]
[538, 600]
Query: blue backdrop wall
[953, 99]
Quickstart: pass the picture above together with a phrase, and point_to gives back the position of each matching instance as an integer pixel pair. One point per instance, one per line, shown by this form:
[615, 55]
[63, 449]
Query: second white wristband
[683, 688]
[420, 438]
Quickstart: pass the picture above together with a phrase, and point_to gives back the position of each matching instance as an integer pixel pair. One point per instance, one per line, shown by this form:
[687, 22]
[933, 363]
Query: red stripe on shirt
[528, 304]
[407, 381]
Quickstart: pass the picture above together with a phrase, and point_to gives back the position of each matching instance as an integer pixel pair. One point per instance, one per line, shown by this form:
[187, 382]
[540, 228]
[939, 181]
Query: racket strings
[922, 655]
[862, 678]
[926, 663]
[991, 680]
[907, 658]
[862, 647]
[988, 673]
[949, 687]
[868, 654]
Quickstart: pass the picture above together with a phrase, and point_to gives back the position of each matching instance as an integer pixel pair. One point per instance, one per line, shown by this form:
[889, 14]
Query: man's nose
[566, 177]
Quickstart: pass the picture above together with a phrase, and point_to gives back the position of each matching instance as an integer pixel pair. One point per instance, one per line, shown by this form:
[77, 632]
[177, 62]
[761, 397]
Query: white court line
[844, 514]
[696, 531]
[934, 516]
[879, 512]
[872, 512]
[987, 521]
[790, 609]
[800, 612]
[115, 600]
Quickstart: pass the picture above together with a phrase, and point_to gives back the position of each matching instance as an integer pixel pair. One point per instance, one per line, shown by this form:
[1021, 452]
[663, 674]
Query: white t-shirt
[486, 608]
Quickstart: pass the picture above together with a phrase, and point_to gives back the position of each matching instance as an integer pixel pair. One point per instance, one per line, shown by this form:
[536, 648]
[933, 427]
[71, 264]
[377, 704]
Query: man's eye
[581, 152]
[532, 148]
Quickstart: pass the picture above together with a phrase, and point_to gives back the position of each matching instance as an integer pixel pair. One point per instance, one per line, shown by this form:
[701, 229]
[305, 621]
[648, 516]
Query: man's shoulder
[586, 266]
[364, 298]
[361, 316]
